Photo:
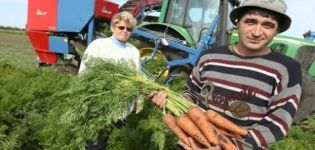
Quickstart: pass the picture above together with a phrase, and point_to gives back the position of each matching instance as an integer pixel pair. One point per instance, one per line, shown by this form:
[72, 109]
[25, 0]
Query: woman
[114, 48]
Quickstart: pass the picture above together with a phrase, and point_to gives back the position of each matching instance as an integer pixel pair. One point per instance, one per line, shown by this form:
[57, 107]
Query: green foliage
[156, 66]
[142, 131]
[106, 30]
[26, 95]
[95, 104]
[301, 136]
[41, 109]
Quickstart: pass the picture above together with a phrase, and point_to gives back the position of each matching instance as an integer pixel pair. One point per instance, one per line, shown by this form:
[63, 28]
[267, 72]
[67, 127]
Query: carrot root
[170, 121]
[208, 129]
[226, 143]
[224, 123]
[229, 134]
[185, 123]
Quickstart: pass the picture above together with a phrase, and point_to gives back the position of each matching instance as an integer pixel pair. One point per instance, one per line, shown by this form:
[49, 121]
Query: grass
[17, 32]
[16, 47]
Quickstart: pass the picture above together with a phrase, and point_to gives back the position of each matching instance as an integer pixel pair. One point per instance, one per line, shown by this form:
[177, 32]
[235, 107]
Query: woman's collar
[118, 43]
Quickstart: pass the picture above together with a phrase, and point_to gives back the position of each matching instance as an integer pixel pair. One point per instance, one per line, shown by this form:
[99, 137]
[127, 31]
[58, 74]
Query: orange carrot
[226, 143]
[170, 121]
[185, 123]
[229, 134]
[224, 123]
[200, 119]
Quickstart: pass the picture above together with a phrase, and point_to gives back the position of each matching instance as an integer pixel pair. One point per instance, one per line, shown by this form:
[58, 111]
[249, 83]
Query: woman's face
[121, 31]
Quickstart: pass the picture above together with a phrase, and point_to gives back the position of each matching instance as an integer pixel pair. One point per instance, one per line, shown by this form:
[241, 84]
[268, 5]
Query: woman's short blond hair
[126, 17]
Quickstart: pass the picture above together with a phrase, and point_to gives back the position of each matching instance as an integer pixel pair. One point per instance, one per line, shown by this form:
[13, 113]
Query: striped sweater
[258, 93]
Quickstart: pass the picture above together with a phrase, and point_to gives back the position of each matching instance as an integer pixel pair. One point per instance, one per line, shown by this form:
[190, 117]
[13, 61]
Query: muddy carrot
[224, 123]
[170, 121]
[185, 123]
[226, 143]
[200, 119]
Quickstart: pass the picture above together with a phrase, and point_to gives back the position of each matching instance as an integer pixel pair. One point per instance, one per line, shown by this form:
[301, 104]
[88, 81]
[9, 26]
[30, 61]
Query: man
[115, 47]
[248, 83]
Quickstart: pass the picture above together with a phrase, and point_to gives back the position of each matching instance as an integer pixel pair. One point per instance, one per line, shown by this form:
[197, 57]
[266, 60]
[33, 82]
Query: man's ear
[278, 30]
[236, 26]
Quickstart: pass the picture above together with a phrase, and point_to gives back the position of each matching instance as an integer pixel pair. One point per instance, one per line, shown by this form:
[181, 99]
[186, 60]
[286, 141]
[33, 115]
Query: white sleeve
[91, 51]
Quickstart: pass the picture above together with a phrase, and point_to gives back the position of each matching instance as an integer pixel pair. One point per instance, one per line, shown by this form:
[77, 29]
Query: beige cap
[277, 6]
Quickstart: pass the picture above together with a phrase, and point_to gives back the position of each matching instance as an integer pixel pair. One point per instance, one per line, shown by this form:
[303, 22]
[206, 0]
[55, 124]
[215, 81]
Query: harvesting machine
[60, 29]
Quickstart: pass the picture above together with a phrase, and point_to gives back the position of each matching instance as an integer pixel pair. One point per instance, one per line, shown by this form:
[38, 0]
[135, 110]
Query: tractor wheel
[307, 103]
[158, 65]
[306, 56]
[178, 77]
[155, 68]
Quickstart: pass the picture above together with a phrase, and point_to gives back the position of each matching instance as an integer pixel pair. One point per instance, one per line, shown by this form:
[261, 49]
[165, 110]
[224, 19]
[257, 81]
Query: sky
[13, 13]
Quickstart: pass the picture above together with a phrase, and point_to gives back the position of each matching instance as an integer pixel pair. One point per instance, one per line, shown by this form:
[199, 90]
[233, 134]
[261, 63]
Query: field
[16, 47]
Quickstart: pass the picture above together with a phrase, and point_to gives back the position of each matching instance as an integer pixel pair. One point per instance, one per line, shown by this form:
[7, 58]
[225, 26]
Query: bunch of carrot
[207, 128]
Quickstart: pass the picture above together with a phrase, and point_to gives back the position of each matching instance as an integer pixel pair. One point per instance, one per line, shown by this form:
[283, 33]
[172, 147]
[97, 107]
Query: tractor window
[195, 14]
[176, 12]
[200, 15]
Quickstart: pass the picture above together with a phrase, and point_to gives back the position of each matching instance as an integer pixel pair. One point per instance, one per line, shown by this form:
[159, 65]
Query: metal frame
[194, 54]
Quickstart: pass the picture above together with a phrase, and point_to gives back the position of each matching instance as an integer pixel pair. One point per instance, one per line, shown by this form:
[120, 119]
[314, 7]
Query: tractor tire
[306, 56]
[307, 103]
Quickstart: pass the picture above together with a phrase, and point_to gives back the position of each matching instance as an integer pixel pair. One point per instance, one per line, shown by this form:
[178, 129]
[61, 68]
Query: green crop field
[15, 132]
[16, 47]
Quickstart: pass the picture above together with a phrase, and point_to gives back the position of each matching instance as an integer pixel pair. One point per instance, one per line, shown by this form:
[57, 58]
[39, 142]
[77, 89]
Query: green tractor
[186, 27]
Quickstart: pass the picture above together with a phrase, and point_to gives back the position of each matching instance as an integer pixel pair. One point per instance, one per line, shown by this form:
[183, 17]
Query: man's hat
[277, 6]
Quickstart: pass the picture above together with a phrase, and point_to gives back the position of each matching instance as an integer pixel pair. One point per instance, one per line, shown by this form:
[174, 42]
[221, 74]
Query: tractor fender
[175, 31]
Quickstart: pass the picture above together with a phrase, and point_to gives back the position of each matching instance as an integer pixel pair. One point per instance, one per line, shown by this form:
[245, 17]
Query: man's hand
[158, 98]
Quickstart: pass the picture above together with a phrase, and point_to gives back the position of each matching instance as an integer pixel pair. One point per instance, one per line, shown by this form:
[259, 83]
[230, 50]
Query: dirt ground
[17, 49]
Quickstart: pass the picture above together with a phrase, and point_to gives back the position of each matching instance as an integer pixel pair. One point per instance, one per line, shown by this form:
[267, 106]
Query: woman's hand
[158, 98]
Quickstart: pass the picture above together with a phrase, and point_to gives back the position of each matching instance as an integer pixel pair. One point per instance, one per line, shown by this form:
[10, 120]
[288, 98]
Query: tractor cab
[194, 16]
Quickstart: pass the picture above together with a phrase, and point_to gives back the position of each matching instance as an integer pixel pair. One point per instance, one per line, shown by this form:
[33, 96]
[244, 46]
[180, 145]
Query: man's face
[121, 31]
[255, 33]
